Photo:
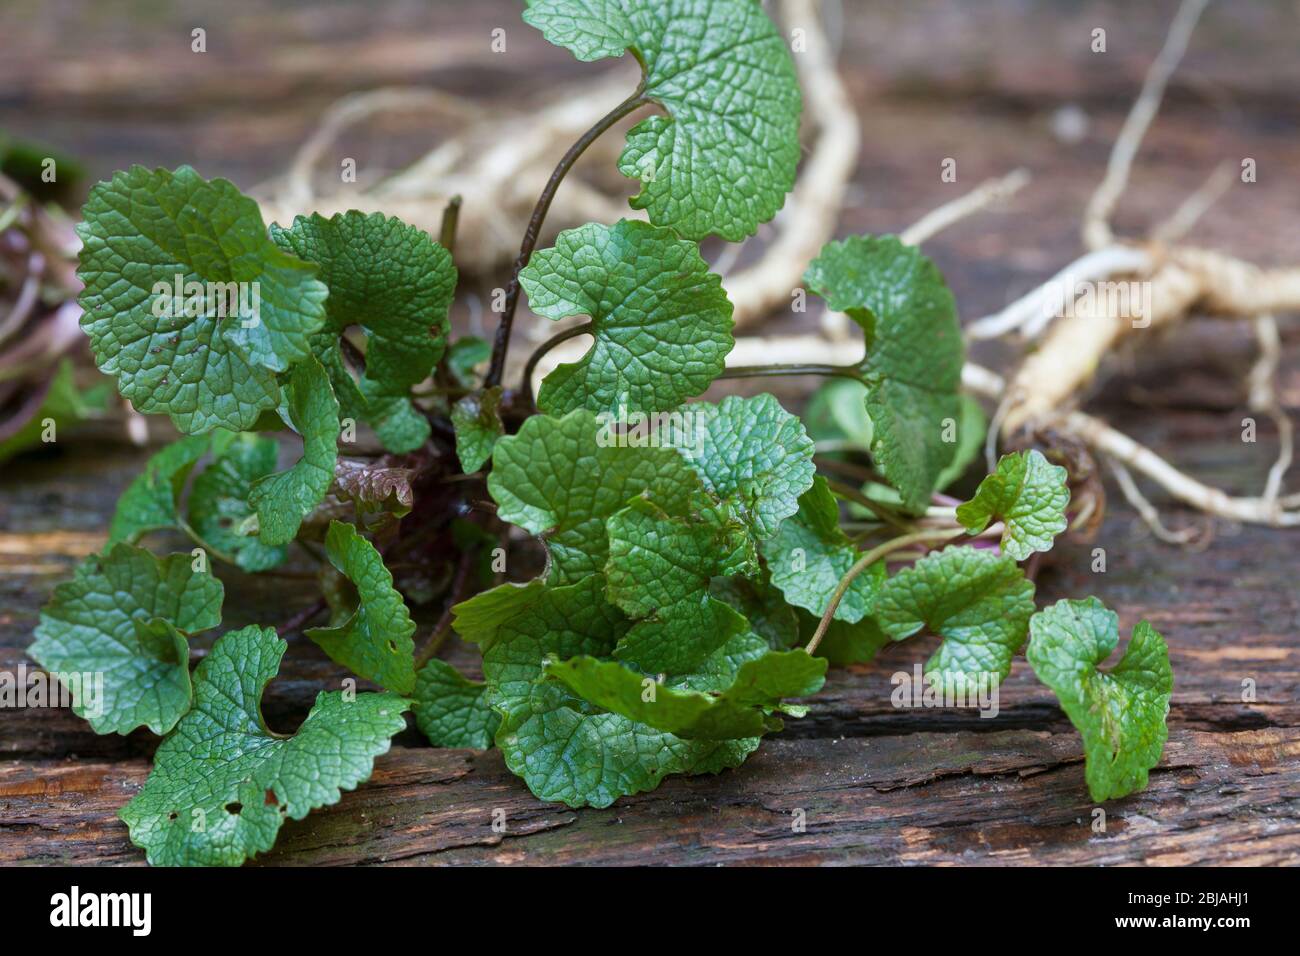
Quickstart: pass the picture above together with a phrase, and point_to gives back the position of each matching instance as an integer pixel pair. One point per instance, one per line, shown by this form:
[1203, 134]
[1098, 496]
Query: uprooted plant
[702, 564]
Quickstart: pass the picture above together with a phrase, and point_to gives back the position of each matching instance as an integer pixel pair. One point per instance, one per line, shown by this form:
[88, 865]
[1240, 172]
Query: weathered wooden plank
[1007, 797]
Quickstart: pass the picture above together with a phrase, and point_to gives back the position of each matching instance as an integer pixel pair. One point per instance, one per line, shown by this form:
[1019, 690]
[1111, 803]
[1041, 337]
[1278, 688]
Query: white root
[1188, 279]
[1260, 380]
[506, 145]
[986, 194]
[1189, 213]
[1164, 284]
[497, 166]
[351, 110]
[1096, 223]
[1111, 442]
[1145, 509]
[1235, 289]
[1108, 441]
[1030, 313]
[1068, 358]
[1117, 446]
[1286, 451]
[1173, 283]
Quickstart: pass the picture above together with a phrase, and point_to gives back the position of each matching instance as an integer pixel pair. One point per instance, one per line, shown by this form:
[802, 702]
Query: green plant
[699, 575]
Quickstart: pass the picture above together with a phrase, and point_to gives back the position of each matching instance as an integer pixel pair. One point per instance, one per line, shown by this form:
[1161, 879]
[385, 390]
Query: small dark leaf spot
[172, 815]
[234, 808]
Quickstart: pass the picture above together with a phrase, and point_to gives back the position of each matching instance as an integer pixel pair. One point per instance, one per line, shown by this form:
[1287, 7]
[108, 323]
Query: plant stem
[450, 219]
[437, 637]
[864, 562]
[883, 512]
[860, 472]
[526, 385]
[762, 371]
[442, 630]
[199, 540]
[832, 446]
[502, 342]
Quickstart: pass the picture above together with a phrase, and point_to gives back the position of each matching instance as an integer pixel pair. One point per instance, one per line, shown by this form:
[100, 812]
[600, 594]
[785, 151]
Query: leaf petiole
[881, 511]
[526, 384]
[447, 228]
[767, 371]
[442, 630]
[864, 562]
[502, 341]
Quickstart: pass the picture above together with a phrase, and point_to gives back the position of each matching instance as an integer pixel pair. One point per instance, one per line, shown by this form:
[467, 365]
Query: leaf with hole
[223, 783]
[394, 282]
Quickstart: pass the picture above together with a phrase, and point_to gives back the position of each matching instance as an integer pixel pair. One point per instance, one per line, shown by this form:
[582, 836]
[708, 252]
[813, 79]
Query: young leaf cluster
[697, 574]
